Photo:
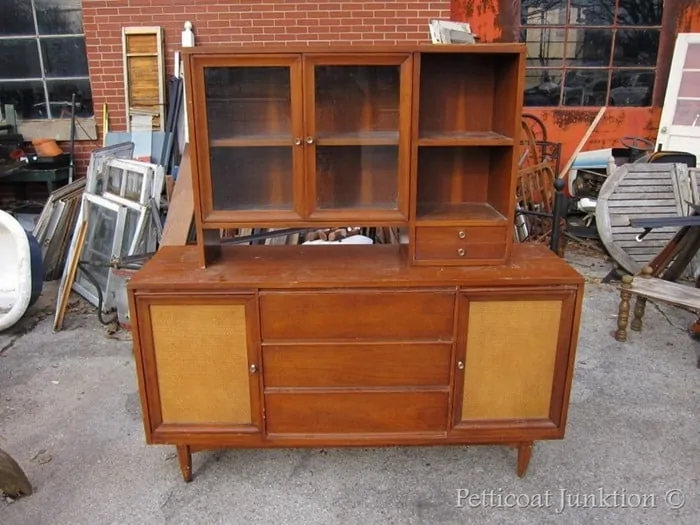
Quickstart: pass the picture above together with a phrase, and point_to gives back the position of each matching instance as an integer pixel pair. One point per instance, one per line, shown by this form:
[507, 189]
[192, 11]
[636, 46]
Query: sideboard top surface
[233, 49]
[352, 266]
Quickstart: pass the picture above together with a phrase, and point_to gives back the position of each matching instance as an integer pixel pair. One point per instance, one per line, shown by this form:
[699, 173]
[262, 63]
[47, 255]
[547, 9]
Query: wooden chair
[645, 287]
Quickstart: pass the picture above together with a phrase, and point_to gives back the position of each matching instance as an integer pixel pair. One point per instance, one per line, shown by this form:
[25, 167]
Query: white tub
[15, 271]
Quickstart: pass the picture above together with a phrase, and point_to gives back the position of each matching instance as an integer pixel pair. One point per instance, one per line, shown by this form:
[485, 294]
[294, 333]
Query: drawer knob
[460, 365]
[253, 369]
[462, 235]
[461, 252]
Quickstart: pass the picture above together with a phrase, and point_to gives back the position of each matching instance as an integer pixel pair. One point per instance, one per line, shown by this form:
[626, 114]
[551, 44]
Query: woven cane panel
[201, 357]
[511, 349]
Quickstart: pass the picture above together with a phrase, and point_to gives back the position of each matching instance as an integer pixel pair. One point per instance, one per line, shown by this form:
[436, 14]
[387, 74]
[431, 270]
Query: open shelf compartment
[463, 184]
[466, 99]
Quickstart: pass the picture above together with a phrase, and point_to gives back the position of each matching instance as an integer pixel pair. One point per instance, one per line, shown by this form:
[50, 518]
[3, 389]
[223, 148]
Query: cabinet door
[357, 124]
[248, 121]
[513, 359]
[200, 360]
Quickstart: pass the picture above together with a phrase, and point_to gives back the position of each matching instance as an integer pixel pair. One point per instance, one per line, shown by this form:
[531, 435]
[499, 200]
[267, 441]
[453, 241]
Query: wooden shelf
[440, 213]
[253, 140]
[464, 138]
[361, 138]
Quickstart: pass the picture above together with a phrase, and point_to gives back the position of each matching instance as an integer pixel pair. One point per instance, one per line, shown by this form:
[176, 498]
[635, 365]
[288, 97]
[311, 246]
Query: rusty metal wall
[497, 21]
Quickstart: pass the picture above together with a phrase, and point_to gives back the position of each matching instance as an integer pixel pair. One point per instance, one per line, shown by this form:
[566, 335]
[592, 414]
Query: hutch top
[318, 136]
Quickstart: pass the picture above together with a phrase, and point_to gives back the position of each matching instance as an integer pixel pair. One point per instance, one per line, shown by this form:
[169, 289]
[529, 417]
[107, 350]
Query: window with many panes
[590, 52]
[43, 60]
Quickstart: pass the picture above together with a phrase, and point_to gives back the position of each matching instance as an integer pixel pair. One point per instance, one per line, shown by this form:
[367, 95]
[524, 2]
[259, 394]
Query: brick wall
[239, 22]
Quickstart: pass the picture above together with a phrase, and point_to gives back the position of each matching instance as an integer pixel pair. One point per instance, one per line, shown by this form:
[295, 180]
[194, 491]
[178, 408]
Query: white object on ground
[15, 271]
[353, 239]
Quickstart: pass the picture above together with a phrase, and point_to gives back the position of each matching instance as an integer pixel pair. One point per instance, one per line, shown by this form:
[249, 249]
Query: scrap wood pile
[535, 191]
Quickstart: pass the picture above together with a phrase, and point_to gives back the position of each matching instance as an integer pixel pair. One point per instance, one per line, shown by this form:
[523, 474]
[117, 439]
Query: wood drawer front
[356, 412]
[483, 242]
[357, 365]
[357, 315]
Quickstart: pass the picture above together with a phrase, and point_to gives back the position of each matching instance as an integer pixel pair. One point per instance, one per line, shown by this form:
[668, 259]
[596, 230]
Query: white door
[679, 126]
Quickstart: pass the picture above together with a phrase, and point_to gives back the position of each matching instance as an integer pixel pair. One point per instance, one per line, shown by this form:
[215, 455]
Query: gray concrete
[69, 413]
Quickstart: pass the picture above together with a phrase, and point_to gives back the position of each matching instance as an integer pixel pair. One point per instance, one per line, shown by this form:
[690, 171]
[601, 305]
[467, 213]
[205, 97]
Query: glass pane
[16, 18]
[99, 238]
[258, 178]
[352, 100]
[248, 102]
[640, 12]
[585, 87]
[545, 46]
[692, 57]
[541, 12]
[636, 47]
[542, 87]
[130, 224]
[359, 177]
[64, 57]
[632, 88]
[592, 12]
[27, 98]
[59, 17]
[588, 47]
[60, 93]
[19, 59]
[690, 84]
[687, 113]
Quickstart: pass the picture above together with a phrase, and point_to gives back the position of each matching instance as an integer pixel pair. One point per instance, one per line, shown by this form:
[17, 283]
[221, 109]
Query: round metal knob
[462, 235]
[309, 140]
[460, 365]
[297, 141]
[461, 252]
[253, 369]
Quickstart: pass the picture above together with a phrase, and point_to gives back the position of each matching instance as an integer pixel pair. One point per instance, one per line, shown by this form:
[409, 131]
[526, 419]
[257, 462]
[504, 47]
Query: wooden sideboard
[459, 336]
[323, 346]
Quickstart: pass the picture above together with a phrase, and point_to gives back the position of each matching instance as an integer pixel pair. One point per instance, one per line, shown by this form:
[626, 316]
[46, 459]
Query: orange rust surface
[482, 16]
[688, 20]
[568, 126]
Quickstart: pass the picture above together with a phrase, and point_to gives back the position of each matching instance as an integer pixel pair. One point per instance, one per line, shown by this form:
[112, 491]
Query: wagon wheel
[529, 150]
[537, 126]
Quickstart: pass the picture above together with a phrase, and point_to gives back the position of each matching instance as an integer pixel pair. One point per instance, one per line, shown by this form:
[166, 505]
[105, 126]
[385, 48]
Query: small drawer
[357, 315]
[455, 243]
[356, 412]
[357, 365]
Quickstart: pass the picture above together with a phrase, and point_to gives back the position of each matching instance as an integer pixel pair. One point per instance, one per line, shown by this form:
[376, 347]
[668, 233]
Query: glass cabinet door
[252, 124]
[357, 121]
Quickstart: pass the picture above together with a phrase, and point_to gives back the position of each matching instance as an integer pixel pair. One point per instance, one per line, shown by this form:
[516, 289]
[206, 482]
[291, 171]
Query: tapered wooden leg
[639, 306]
[184, 456]
[623, 314]
[524, 455]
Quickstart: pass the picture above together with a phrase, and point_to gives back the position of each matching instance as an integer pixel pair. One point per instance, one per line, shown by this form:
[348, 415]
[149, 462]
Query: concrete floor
[69, 414]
